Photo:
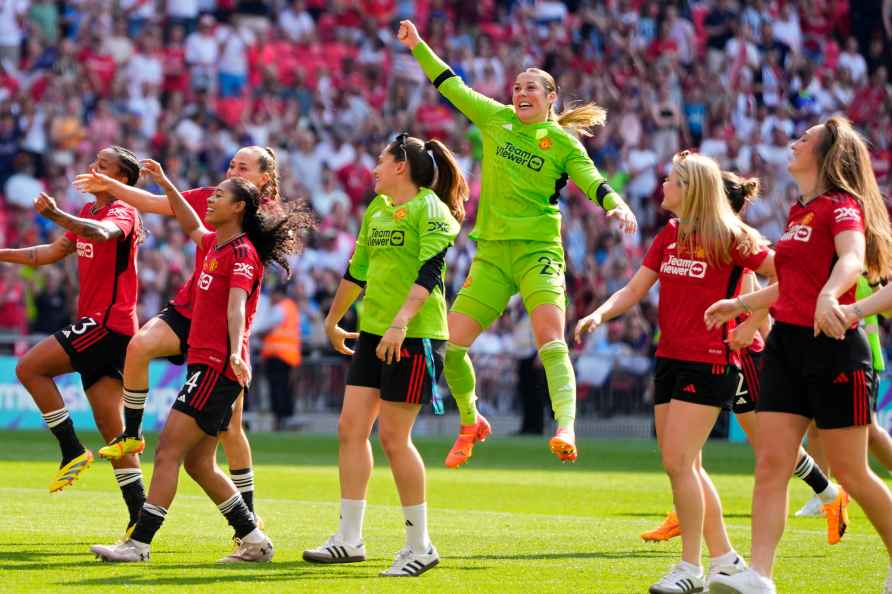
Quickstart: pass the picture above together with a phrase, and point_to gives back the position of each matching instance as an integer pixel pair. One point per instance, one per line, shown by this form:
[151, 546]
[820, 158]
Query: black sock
[132, 489]
[243, 479]
[238, 515]
[811, 473]
[134, 406]
[150, 519]
[69, 443]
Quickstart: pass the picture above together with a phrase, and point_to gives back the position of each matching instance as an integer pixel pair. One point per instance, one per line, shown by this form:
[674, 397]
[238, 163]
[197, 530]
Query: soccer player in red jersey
[105, 235]
[817, 365]
[748, 340]
[227, 288]
[697, 257]
[166, 335]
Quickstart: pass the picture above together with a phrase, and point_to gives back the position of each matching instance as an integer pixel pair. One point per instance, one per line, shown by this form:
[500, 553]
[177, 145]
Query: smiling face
[222, 206]
[673, 193]
[531, 99]
[388, 171]
[246, 165]
[805, 153]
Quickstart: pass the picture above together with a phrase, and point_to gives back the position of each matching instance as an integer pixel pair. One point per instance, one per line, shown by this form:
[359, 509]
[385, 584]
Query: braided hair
[277, 235]
[128, 163]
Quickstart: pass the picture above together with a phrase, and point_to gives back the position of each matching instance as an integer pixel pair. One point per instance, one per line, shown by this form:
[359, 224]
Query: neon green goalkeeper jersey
[525, 166]
[393, 244]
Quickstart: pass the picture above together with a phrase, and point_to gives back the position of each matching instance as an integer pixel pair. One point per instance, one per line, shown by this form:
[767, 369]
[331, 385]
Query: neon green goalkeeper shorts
[500, 269]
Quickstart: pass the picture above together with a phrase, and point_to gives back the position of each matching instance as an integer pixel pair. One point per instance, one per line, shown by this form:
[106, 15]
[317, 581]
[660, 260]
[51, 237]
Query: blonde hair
[578, 119]
[844, 165]
[706, 218]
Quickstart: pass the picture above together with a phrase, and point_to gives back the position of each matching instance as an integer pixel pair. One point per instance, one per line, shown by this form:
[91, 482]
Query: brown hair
[740, 190]
[844, 165]
[268, 163]
[432, 165]
[577, 118]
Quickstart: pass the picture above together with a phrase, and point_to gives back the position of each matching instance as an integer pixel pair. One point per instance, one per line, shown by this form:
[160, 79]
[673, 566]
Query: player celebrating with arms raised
[529, 152]
[228, 289]
[167, 334]
[105, 236]
[400, 260]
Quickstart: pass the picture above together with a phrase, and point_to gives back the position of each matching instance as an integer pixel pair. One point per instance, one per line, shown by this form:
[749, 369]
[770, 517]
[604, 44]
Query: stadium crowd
[326, 84]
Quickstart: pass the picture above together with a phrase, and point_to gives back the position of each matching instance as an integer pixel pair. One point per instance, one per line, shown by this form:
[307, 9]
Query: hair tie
[430, 153]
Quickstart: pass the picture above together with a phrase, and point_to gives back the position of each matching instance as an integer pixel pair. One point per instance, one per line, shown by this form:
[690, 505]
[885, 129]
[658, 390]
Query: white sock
[255, 536]
[828, 494]
[726, 559]
[416, 528]
[350, 528]
[695, 569]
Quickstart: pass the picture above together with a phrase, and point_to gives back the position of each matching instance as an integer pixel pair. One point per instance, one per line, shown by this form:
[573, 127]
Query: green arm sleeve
[476, 107]
[584, 174]
[871, 326]
[358, 267]
[437, 230]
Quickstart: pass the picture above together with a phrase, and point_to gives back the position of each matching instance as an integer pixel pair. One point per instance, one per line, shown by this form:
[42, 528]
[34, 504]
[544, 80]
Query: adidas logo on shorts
[841, 379]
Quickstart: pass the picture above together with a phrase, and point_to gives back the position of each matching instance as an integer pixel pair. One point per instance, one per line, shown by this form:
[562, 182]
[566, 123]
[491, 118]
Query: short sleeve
[358, 266]
[246, 270]
[437, 228]
[124, 218]
[752, 261]
[654, 256]
[846, 216]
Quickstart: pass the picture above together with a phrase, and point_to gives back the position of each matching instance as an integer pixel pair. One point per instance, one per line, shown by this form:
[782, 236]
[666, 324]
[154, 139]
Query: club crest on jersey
[243, 269]
[468, 282]
[84, 249]
[683, 267]
[545, 143]
[799, 230]
[211, 264]
[400, 214]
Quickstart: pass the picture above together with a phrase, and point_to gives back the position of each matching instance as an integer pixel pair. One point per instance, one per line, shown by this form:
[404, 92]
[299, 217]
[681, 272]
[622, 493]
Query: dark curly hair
[275, 235]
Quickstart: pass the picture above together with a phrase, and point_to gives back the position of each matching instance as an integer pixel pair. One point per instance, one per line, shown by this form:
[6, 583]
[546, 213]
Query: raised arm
[88, 228]
[139, 199]
[185, 214]
[39, 255]
[475, 106]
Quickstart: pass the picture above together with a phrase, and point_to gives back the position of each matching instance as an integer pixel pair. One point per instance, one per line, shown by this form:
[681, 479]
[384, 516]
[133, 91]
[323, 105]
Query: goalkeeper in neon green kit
[529, 152]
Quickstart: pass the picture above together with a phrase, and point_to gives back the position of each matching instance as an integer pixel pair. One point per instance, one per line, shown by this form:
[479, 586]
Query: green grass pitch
[513, 520]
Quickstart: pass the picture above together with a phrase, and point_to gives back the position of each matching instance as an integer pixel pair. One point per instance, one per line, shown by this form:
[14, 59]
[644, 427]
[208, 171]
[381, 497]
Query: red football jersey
[109, 283]
[235, 264]
[688, 286]
[183, 300]
[805, 254]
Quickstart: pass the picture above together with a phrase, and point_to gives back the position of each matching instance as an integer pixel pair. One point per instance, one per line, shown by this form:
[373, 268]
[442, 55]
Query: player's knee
[349, 430]
[771, 466]
[852, 477]
[392, 441]
[139, 348]
[677, 463]
[198, 468]
[23, 370]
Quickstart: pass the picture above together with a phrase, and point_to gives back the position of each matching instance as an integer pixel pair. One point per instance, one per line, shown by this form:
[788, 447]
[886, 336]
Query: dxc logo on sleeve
[846, 213]
[243, 269]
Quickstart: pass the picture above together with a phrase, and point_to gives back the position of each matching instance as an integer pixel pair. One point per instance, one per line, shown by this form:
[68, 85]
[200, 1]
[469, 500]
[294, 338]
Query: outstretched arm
[475, 106]
[185, 214]
[39, 255]
[141, 200]
[620, 302]
[87, 228]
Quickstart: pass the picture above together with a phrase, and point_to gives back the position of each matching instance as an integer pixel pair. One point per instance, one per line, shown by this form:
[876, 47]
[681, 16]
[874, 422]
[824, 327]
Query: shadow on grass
[265, 573]
[636, 554]
[500, 452]
[662, 514]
